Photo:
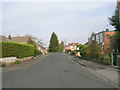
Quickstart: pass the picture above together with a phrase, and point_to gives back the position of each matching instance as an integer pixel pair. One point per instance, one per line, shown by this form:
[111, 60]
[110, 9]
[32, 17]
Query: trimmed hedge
[18, 50]
[37, 52]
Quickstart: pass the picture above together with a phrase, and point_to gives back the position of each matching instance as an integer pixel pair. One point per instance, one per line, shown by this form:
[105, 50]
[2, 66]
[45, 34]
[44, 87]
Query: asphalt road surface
[56, 70]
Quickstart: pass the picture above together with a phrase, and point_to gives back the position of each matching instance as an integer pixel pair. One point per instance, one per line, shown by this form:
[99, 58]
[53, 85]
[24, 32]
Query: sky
[73, 21]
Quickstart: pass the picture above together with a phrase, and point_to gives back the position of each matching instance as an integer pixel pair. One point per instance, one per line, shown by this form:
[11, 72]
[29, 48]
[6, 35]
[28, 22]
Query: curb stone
[115, 83]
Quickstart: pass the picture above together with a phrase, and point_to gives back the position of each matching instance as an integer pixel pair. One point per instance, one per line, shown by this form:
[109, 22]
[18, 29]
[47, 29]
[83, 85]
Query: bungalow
[3, 38]
[21, 39]
[27, 40]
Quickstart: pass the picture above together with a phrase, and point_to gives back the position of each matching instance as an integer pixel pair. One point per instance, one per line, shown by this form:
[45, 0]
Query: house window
[93, 38]
[70, 46]
[101, 37]
[97, 38]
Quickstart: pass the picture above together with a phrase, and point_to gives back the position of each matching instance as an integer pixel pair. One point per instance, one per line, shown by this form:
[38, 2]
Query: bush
[72, 52]
[93, 50]
[2, 64]
[18, 50]
[17, 62]
[37, 52]
[101, 61]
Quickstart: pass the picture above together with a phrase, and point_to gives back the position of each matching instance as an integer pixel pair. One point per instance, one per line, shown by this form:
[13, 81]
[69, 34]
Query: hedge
[18, 50]
[37, 52]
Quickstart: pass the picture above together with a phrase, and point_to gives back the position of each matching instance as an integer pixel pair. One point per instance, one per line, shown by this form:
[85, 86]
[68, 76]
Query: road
[56, 70]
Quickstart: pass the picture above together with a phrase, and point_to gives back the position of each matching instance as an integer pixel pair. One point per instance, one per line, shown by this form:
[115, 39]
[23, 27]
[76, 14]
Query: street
[55, 70]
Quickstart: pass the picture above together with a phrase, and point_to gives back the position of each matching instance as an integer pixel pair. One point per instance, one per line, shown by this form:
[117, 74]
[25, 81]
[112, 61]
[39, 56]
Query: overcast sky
[73, 21]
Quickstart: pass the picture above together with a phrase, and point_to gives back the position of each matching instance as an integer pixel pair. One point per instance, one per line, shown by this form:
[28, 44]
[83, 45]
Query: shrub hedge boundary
[15, 49]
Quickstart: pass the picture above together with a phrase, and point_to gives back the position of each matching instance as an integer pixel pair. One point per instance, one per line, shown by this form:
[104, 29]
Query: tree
[115, 39]
[93, 50]
[54, 43]
[61, 46]
[35, 41]
[115, 43]
[114, 20]
[82, 49]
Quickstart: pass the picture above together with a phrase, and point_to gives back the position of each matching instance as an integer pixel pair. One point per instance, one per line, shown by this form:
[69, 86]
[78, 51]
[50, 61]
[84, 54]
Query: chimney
[9, 37]
[107, 30]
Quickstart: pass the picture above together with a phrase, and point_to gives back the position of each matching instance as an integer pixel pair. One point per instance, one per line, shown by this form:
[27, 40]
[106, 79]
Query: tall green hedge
[16, 49]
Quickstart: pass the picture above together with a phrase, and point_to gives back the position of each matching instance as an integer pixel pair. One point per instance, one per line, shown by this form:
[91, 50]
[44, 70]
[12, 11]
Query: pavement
[55, 70]
[109, 72]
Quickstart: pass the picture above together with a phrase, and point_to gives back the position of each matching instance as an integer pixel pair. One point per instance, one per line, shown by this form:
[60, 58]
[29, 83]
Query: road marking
[20, 67]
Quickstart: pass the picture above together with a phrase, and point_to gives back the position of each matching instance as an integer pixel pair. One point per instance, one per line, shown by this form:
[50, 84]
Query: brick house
[103, 39]
[71, 46]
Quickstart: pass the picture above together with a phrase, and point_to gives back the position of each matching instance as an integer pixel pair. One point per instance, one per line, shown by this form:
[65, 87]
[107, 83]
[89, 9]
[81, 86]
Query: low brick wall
[25, 59]
[10, 60]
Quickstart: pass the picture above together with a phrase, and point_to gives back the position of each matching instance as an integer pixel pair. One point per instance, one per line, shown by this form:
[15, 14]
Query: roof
[104, 32]
[20, 39]
[86, 43]
[73, 44]
[3, 38]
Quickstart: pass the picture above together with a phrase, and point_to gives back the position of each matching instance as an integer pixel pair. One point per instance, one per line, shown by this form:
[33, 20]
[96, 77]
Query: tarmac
[108, 72]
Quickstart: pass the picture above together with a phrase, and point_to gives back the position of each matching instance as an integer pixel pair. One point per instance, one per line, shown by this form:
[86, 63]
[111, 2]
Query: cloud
[58, 0]
[72, 21]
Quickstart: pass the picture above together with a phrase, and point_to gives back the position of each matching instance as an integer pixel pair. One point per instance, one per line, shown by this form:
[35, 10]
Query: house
[42, 49]
[71, 46]
[21, 39]
[103, 39]
[89, 40]
[27, 40]
[3, 38]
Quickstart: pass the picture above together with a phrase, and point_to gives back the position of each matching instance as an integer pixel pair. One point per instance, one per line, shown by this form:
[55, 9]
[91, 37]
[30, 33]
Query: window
[93, 38]
[71, 46]
[97, 38]
[101, 37]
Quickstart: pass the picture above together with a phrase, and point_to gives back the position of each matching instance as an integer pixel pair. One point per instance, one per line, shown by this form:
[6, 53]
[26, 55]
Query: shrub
[93, 50]
[72, 52]
[37, 52]
[18, 50]
[101, 61]
[2, 64]
[67, 51]
[17, 62]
